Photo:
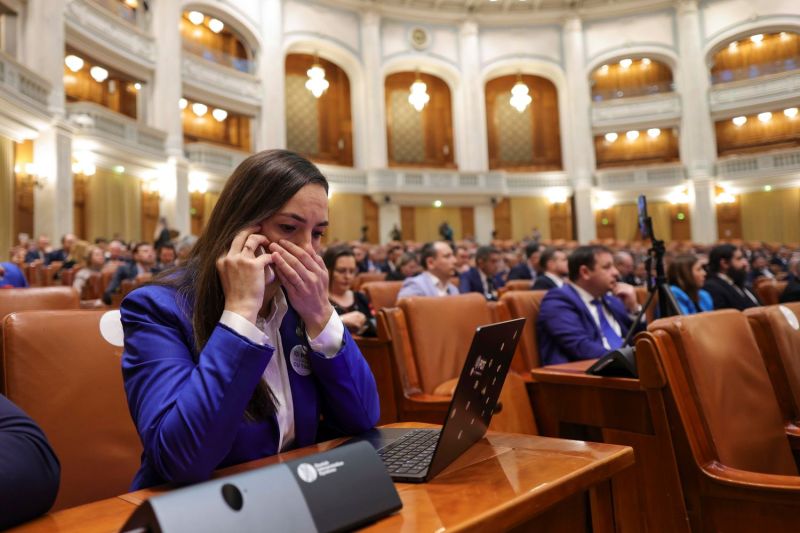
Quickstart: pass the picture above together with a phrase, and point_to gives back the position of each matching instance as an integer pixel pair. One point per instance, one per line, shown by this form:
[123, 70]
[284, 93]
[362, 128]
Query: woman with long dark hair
[686, 276]
[238, 354]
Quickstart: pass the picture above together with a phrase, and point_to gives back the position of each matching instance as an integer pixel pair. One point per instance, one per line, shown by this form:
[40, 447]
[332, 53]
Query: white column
[579, 161]
[167, 80]
[697, 142]
[376, 151]
[271, 71]
[174, 197]
[484, 223]
[473, 153]
[388, 217]
[53, 197]
[43, 46]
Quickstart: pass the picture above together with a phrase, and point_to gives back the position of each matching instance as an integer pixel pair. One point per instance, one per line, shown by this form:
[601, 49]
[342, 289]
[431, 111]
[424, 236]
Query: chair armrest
[793, 434]
[742, 479]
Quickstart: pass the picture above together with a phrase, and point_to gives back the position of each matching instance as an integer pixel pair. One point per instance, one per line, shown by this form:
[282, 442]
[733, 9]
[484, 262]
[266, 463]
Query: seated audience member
[727, 275]
[63, 253]
[393, 256]
[142, 267]
[462, 260]
[581, 320]
[76, 255]
[115, 256]
[554, 268]
[29, 470]
[527, 269]
[239, 355]
[483, 277]
[759, 268]
[92, 263]
[352, 306]
[686, 277]
[626, 266]
[407, 266]
[165, 257]
[184, 248]
[437, 262]
[11, 277]
[792, 291]
[41, 252]
[362, 261]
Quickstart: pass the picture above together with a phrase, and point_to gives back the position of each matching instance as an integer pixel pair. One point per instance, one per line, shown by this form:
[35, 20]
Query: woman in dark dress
[352, 306]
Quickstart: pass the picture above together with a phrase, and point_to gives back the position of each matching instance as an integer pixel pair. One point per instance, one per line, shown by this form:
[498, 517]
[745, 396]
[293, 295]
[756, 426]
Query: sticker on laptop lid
[790, 317]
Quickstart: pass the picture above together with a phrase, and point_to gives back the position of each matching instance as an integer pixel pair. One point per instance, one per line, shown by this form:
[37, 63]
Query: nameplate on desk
[337, 490]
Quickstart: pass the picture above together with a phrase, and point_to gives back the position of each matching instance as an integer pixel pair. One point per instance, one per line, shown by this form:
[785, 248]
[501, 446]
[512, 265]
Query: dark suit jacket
[566, 331]
[520, 271]
[126, 271]
[726, 296]
[29, 470]
[543, 283]
[470, 281]
[791, 293]
[33, 255]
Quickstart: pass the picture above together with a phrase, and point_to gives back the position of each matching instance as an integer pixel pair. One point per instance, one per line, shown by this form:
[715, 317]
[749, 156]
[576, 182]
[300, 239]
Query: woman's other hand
[305, 279]
[242, 273]
[354, 320]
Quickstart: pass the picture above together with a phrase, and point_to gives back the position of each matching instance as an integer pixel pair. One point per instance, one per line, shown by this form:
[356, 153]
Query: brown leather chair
[382, 293]
[769, 290]
[641, 298]
[525, 304]
[66, 376]
[778, 340]
[515, 285]
[364, 277]
[38, 298]
[703, 373]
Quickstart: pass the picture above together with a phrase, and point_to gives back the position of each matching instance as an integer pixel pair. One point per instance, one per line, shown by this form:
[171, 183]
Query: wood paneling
[729, 221]
[644, 150]
[371, 219]
[333, 111]
[437, 122]
[771, 216]
[755, 136]
[543, 113]
[502, 219]
[224, 47]
[561, 221]
[234, 131]
[605, 222]
[80, 213]
[680, 223]
[117, 92]
[197, 203]
[638, 79]
[524, 214]
[150, 212]
[407, 226]
[775, 53]
[428, 219]
[23, 191]
[468, 222]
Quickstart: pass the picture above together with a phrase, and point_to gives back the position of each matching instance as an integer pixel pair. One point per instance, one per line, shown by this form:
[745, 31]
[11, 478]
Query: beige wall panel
[346, 216]
[771, 216]
[114, 206]
[527, 213]
[428, 219]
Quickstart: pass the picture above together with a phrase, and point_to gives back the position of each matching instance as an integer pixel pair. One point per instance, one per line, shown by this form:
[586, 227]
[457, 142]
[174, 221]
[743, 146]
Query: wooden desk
[505, 481]
[572, 404]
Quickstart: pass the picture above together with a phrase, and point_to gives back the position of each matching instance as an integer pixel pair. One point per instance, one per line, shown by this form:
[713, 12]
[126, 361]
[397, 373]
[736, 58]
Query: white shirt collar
[585, 296]
[559, 281]
[439, 284]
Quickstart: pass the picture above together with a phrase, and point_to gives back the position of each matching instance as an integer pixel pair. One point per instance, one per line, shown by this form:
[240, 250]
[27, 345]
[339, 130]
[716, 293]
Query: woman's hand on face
[242, 273]
[305, 278]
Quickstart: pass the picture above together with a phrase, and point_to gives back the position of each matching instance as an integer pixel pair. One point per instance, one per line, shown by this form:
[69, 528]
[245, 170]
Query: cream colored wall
[527, 213]
[114, 206]
[346, 216]
[771, 216]
[428, 219]
[627, 220]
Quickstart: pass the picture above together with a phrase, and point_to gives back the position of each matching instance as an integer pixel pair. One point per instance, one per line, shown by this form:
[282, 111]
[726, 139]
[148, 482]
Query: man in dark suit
[483, 277]
[527, 269]
[553, 267]
[581, 320]
[144, 261]
[727, 276]
[41, 252]
[792, 291]
[29, 470]
[62, 253]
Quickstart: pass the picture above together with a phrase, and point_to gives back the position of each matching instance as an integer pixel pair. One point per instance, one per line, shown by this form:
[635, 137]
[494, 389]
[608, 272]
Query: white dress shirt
[266, 331]
[587, 300]
[558, 280]
[441, 287]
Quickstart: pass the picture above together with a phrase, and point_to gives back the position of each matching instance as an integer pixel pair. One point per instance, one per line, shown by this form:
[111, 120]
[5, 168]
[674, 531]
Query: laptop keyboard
[411, 453]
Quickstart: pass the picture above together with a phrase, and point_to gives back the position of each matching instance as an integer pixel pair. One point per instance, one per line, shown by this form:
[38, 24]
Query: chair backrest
[723, 392]
[59, 369]
[525, 304]
[777, 331]
[382, 293]
[38, 298]
[769, 290]
[364, 277]
[641, 297]
[440, 331]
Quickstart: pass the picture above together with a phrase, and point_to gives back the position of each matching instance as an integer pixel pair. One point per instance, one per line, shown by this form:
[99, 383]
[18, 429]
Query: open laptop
[417, 455]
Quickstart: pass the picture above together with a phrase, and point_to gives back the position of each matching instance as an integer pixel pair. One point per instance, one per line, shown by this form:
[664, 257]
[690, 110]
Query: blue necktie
[614, 340]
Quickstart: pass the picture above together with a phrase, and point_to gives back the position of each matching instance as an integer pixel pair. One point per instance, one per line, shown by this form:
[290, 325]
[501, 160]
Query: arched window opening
[206, 123]
[636, 147]
[319, 127]
[758, 55]
[626, 76]
[86, 80]
[527, 140]
[419, 137]
[215, 41]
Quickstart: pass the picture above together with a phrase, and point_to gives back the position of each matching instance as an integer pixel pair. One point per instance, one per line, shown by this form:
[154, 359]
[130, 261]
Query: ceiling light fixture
[73, 62]
[196, 18]
[733, 47]
[98, 73]
[757, 38]
[611, 137]
[199, 109]
[316, 82]
[219, 114]
[182, 103]
[419, 94]
[216, 25]
[790, 112]
[626, 63]
[739, 121]
[520, 99]
[632, 135]
[653, 133]
[766, 116]
[646, 61]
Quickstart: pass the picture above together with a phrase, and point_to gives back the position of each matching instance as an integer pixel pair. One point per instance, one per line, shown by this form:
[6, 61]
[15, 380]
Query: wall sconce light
[556, 196]
[198, 183]
[419, 96]
[30, 175]
[725, 197]
[678, 197]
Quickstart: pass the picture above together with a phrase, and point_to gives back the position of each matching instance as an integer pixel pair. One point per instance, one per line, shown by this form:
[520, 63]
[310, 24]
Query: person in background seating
[759, 268]
[11, 277]
[590, 315]
[792, 291]
[528, 269]
[92, 263]
[29, 470]
[462, 263]
[352, 306]
[62, 254]
[41, 252]
[115, 256]
[554, 268]
[483, 277]
[438, 263]
[626, 266]
[166, 257]
[142, 268]
[407, 267]
[727, 276]
[686, 277]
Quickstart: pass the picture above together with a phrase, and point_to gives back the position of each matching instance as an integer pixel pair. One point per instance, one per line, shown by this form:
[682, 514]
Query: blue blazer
[566, 331]
[13, 276]
[189, 408]
[521, 271]
[422, 285]
[687, 305]
[470, 281]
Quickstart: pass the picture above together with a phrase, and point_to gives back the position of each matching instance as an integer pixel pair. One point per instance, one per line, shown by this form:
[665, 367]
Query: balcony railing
[641, 111]
[777, 163]
[120, 9]
[641, 177]
[218, 56]
[756, 70]
[23, 83]
[213, 158]
[643, 90]
[94, 120]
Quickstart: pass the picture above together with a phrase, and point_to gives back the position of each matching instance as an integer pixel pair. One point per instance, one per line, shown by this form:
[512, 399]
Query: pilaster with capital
[376, 151]
[474, 144]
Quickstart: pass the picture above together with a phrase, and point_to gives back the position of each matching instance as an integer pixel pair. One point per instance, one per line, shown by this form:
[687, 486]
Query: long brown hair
[679, 272]
[256, 190]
